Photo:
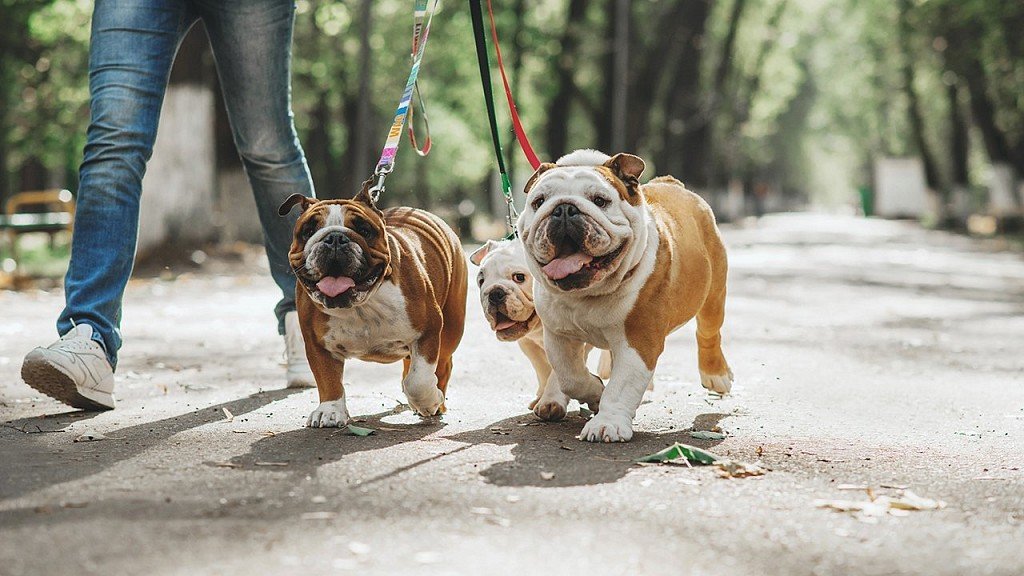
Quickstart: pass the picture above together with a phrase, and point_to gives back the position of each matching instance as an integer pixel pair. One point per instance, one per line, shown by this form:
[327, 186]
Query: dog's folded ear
[480, 253]
[294, 199]
[365, 197]
[540, 170]
[626, 167]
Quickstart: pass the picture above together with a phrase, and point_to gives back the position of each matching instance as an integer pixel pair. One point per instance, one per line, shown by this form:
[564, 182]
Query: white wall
[178, 189]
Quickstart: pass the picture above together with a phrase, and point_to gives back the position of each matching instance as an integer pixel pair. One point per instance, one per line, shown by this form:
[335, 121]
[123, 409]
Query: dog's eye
[537, 202]
[519, 277]
[363, 228]
[600, 201]
[307, 230]
[480, 280]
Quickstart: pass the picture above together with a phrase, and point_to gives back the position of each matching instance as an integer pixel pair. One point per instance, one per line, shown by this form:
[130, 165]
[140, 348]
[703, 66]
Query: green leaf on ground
[679, 451]
[359, 431]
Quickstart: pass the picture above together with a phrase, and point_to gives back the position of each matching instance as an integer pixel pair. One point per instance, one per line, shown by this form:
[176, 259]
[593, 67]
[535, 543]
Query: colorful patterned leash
[386, 164]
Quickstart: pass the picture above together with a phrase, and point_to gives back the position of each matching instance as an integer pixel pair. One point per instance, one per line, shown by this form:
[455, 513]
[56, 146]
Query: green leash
[483, 60]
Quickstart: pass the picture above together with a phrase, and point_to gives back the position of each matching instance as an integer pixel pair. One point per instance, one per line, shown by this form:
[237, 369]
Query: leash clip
[380, 173]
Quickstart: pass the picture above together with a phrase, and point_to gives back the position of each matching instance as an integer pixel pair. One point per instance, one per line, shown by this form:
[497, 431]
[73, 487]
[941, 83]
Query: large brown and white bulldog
[620, 265]
[506, 295]
[381, 287]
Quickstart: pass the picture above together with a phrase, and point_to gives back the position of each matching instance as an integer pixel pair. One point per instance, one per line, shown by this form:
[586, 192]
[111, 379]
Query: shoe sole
[46, 378]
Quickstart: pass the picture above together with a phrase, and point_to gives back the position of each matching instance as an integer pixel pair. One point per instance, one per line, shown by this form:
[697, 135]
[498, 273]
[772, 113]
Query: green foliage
[813, 94]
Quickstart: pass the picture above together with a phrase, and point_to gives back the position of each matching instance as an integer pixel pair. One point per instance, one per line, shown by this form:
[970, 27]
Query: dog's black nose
[335, 239]
[565, 210]
[497, 296]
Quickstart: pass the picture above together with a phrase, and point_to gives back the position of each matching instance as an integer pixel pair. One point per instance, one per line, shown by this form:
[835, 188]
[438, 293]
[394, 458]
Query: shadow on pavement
[306, 449]
[552, 448]
[43, 466]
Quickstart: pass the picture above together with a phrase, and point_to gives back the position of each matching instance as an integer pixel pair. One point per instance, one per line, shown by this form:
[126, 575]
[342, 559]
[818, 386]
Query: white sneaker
[73, 370]
[299, 375]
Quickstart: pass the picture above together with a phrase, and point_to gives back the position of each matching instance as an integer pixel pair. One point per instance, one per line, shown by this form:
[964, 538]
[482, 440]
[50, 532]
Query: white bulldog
[506, 295]
[620, 265]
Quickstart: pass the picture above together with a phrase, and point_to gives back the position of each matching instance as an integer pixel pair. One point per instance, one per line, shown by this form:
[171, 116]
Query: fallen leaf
[225, 464]
[870, 510]
[319, 515]
[91, 436]
[564, 447]
[586, 412]
[360, 431]
[735, 469]
[679, 451]
[501, 431]
[240, 431]
[547, 475]
[271, 463]
[910, 501]
[707, 435]
[228, 416]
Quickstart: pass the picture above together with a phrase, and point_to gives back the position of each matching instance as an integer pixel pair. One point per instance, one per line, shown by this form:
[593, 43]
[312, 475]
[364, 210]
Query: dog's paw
[333, 414]
[430, 403]
[717, 383]
[549, 410]
[533, 403]
[607, 428]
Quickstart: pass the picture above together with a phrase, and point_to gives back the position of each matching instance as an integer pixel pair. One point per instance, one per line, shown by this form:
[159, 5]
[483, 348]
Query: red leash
[517, 125]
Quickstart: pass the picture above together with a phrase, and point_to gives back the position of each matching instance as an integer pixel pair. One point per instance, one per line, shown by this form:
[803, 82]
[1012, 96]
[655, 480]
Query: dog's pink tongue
[561, 267]
[504, 325]
[331, 286]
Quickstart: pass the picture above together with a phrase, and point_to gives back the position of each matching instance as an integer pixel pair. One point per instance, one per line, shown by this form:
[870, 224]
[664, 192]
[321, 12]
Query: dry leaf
[228, 416]
[319, 515]
[547, 475]
[727, 468]
[226, 464]
[91, 436]
[271, 463]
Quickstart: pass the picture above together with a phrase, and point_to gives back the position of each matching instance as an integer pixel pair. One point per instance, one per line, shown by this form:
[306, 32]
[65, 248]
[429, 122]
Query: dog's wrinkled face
[506, 289]
[340, 251]
[581, 220]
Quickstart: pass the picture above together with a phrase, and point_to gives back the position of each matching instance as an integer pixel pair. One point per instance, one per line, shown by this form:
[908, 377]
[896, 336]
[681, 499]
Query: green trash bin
[867, 200]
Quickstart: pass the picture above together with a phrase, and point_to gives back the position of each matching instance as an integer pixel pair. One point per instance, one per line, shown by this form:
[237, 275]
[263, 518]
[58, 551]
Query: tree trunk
[959, 142]
[684, 130]
[719, 166]
[516, 70]
[561, 105]
[917, 129]
[360, 152]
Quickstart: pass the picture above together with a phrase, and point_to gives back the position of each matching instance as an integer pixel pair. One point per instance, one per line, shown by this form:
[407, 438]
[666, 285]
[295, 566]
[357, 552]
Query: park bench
[43, 211]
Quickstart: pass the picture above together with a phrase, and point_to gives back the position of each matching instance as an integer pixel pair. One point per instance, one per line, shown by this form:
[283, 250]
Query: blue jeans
[132, 48]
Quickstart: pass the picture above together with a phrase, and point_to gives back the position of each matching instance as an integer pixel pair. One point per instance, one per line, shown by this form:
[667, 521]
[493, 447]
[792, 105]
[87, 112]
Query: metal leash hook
[380, 173]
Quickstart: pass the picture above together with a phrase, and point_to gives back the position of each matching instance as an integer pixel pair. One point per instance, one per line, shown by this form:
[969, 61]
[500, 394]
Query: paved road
[866, 352]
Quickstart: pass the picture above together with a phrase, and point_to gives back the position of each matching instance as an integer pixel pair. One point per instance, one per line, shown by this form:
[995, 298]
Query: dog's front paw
[608, 428]
[717, 383]
[549, 410]
[332, 414]
[430, 403]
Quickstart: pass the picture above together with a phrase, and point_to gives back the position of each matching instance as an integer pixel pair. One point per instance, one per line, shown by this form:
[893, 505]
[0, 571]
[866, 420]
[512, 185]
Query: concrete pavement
[866, 352]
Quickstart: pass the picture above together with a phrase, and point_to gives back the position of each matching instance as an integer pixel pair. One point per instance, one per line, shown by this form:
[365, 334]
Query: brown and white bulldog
[506, 295]
[381, 287]
[620, 265]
